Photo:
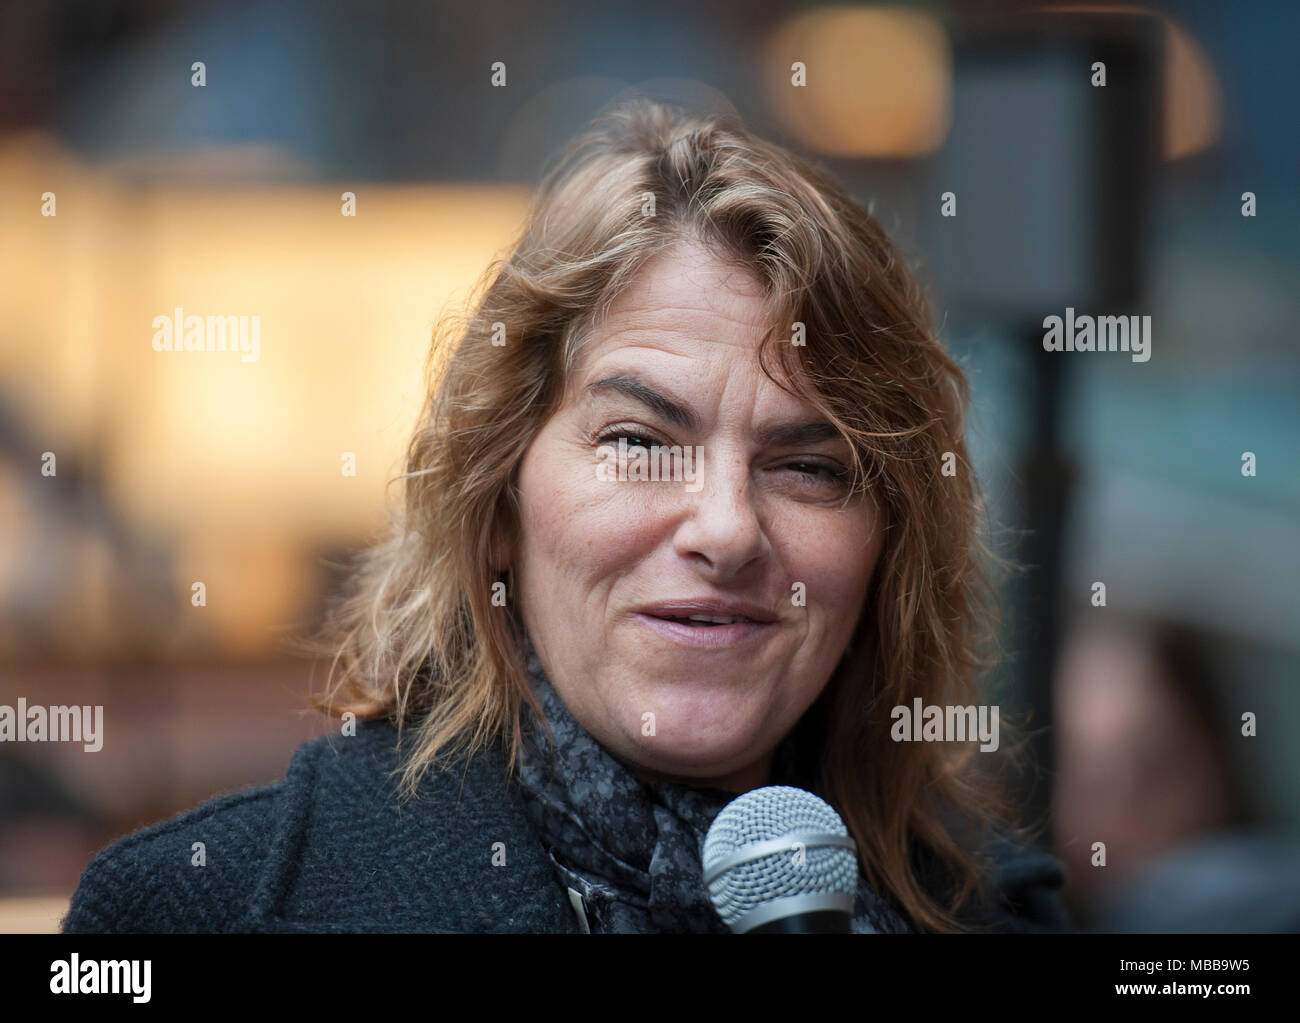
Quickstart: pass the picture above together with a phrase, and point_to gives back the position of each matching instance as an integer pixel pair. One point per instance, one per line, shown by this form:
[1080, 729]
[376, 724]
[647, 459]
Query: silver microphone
[779, 860]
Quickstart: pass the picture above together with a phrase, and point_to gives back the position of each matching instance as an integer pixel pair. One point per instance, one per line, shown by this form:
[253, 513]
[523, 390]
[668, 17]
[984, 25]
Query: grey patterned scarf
[632, 848]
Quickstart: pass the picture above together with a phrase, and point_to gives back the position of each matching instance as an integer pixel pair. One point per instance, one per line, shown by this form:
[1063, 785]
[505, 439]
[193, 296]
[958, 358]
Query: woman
[688, 512]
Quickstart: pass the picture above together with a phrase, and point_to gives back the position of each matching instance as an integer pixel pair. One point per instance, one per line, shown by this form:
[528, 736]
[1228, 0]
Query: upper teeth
[719, 619]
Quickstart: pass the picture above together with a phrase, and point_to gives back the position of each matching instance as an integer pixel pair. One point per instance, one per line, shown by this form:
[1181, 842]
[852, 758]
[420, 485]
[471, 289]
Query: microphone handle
[825, 921]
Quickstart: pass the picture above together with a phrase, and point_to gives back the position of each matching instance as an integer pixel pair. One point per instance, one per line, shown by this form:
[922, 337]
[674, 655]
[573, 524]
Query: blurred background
[161, 159]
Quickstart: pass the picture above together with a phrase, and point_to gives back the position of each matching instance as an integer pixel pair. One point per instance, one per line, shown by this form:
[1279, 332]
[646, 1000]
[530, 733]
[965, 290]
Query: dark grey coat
[329, 848]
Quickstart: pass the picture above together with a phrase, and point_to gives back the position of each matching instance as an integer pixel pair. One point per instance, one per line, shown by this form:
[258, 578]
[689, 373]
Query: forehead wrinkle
[691, 294]
[681, 343]
[676, 319]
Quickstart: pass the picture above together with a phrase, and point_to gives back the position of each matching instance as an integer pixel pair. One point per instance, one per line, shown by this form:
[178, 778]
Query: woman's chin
[689, 753]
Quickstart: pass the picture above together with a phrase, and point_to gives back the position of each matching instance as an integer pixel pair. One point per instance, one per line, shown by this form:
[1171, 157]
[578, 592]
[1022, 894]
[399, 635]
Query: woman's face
[757, 523]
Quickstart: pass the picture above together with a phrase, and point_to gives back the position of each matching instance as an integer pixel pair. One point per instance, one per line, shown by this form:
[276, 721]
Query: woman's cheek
[835, 578]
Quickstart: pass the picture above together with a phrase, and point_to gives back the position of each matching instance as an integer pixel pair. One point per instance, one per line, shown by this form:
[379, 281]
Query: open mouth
[705, 632]
[706, 621]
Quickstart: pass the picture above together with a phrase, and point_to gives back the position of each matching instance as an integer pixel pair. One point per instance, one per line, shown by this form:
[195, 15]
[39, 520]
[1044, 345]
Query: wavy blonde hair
[418, 638]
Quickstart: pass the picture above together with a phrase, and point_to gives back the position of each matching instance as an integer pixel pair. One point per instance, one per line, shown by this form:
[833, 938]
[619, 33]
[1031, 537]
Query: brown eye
[614, 436]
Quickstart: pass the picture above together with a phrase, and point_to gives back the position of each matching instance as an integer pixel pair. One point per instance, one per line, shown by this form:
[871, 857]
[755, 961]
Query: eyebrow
[813, 431]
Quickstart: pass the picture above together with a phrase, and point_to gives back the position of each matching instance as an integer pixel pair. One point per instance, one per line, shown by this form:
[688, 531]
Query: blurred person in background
[1146, 766]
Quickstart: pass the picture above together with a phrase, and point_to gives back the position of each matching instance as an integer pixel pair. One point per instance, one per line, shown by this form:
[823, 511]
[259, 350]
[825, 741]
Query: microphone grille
[775, 818]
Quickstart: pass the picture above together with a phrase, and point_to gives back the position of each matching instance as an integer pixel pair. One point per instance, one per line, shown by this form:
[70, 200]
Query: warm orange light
[878, 81]
[1192, 98]
[233, 466]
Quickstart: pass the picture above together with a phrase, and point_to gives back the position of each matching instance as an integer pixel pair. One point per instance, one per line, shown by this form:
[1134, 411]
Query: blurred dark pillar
[1052, 176]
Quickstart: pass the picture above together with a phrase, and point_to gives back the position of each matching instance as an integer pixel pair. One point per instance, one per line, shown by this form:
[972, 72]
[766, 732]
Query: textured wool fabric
[632, 848]
[330, 848]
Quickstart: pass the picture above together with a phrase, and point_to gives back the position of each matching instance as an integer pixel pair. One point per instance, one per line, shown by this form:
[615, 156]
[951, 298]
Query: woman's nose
[723, 525]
